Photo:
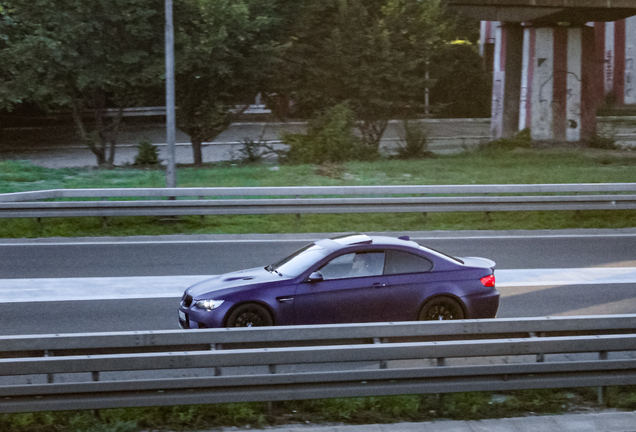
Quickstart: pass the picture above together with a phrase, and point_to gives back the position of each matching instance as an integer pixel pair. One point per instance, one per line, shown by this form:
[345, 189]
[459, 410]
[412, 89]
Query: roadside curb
[612, 421]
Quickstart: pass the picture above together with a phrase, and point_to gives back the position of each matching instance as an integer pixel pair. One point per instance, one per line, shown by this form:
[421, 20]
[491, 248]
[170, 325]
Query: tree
[224, 50]
[84, 56]
[371, 54]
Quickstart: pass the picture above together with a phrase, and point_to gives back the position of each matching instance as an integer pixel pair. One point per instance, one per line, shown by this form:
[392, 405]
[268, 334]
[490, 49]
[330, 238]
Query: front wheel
[249, 315]
[441, 308]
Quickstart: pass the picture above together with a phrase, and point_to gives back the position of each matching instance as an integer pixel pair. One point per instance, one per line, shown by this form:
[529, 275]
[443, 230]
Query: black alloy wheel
[249, 315]
[441, 308]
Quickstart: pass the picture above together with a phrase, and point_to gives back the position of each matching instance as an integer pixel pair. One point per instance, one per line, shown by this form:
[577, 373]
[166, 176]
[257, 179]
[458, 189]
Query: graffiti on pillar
[630, 77]
[573, 106]
[609, 71]
[497, 105]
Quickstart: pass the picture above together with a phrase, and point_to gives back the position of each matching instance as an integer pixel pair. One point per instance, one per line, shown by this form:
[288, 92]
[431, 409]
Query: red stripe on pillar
[599, 38]
[560, 83]
[531, 63]
[489, 25]
[592, 87]
[619, 62]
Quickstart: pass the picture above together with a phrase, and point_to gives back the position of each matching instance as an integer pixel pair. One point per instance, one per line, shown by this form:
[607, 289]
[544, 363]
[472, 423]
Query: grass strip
[518, 166]
[364, 410]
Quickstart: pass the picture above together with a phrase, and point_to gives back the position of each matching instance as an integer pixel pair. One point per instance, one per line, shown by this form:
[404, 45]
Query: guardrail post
[95, 377]
[213, 347]
[104, 218]
[39, 224]
[49, 377]
[297, 214]
[602, 390]
[441, 362]
[383, 363]
[540, 356]
[270, 404]
[202, 217]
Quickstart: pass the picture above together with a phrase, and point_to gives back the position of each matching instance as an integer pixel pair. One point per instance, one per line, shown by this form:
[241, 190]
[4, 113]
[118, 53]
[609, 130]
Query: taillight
[488, 281]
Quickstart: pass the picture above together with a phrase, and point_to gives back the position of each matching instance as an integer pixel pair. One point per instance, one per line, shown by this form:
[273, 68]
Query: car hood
[233, 281]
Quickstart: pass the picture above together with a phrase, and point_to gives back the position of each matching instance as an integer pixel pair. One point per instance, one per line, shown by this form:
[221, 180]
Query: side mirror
[315, 277]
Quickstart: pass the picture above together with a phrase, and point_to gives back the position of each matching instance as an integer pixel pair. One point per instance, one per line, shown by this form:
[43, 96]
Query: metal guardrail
[318, 199]
[284, 363]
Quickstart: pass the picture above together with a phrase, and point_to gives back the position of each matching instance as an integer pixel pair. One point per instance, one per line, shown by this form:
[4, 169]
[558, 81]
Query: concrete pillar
[562, 83]
[512, 85]
[507, 76]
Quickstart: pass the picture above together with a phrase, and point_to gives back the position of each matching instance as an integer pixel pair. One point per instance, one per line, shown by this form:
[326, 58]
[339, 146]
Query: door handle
[378, 285]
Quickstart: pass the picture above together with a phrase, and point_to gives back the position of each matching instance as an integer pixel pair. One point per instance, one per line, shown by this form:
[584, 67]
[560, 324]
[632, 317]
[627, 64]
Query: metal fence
[109, 370]
[318, 199]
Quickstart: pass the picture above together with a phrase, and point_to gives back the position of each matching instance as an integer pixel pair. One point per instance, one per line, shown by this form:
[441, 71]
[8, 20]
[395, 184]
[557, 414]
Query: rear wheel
[441, 308]
[249, 315]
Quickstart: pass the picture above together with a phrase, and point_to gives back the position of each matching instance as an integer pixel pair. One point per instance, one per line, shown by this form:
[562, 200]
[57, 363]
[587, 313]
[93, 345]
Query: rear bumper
[482, 305]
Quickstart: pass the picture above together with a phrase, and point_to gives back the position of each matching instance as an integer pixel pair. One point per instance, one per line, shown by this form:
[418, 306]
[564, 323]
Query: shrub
[522, 139]
[147, 153]
[414, 141]
[329, 138]
[605, 142]
[250, 151]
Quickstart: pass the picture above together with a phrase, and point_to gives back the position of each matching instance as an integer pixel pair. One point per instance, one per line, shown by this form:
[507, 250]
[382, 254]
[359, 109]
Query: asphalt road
[202, 255]
[212, 255]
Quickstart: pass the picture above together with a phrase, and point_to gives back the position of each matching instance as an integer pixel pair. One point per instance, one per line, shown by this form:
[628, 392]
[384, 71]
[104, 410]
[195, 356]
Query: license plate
[182, 316]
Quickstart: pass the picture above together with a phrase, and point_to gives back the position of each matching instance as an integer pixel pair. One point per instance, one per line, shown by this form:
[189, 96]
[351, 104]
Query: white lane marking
[117, 288]
[311, 239]
[94, 288]
[556, 277]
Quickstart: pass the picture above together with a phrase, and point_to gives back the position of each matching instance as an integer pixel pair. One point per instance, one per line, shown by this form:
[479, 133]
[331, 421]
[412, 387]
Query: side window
[354, 265]
[398, 262]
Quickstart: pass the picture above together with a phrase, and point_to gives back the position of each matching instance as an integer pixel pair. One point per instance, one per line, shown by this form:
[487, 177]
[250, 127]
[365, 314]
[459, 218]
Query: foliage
[414, 144]
[329, 138]
[462, 86]
[251, 151]
[147, 153]
[224, 49]
[358, 410]
[371, 54]
[522, 139]
[84, 57]
[600, 141]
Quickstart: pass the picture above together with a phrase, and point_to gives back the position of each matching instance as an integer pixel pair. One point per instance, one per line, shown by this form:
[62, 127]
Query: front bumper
[194, 318]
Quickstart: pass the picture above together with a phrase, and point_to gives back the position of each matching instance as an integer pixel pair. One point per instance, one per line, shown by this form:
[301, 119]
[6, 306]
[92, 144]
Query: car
[353, 278]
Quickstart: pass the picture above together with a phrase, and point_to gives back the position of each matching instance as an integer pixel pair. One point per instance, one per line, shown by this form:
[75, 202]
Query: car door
[345, 295]
[409, 281]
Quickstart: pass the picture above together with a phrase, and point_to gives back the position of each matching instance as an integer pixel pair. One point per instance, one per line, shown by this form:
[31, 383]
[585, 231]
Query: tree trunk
[196, 151]
[372, 132]
[113, 135]
[88, 138]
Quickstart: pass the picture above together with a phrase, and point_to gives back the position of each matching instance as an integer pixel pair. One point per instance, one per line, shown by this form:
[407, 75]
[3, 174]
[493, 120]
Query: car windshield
[299, 261]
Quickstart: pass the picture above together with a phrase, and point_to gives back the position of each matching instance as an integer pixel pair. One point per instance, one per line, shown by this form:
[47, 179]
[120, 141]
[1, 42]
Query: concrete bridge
[556, 62]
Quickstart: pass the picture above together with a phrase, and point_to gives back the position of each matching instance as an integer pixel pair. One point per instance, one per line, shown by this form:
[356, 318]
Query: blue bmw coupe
[349, 279]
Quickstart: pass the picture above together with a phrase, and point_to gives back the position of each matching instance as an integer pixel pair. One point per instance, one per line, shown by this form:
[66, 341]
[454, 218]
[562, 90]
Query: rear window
[429, 249]
[398, 262]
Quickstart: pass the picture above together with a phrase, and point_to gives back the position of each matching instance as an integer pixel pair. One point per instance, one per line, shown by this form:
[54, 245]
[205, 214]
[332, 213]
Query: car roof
[354, 239]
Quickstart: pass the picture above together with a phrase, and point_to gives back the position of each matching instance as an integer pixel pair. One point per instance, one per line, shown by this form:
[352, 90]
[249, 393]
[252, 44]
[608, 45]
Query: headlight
[208, 304]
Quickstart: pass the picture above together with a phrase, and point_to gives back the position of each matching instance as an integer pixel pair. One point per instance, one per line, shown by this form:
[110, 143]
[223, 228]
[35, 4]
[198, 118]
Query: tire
[441, 308]
[249, 315]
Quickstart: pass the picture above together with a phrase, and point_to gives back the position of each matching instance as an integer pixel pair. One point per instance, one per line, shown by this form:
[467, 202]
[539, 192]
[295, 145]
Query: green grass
[367, 410]
[488, 166]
